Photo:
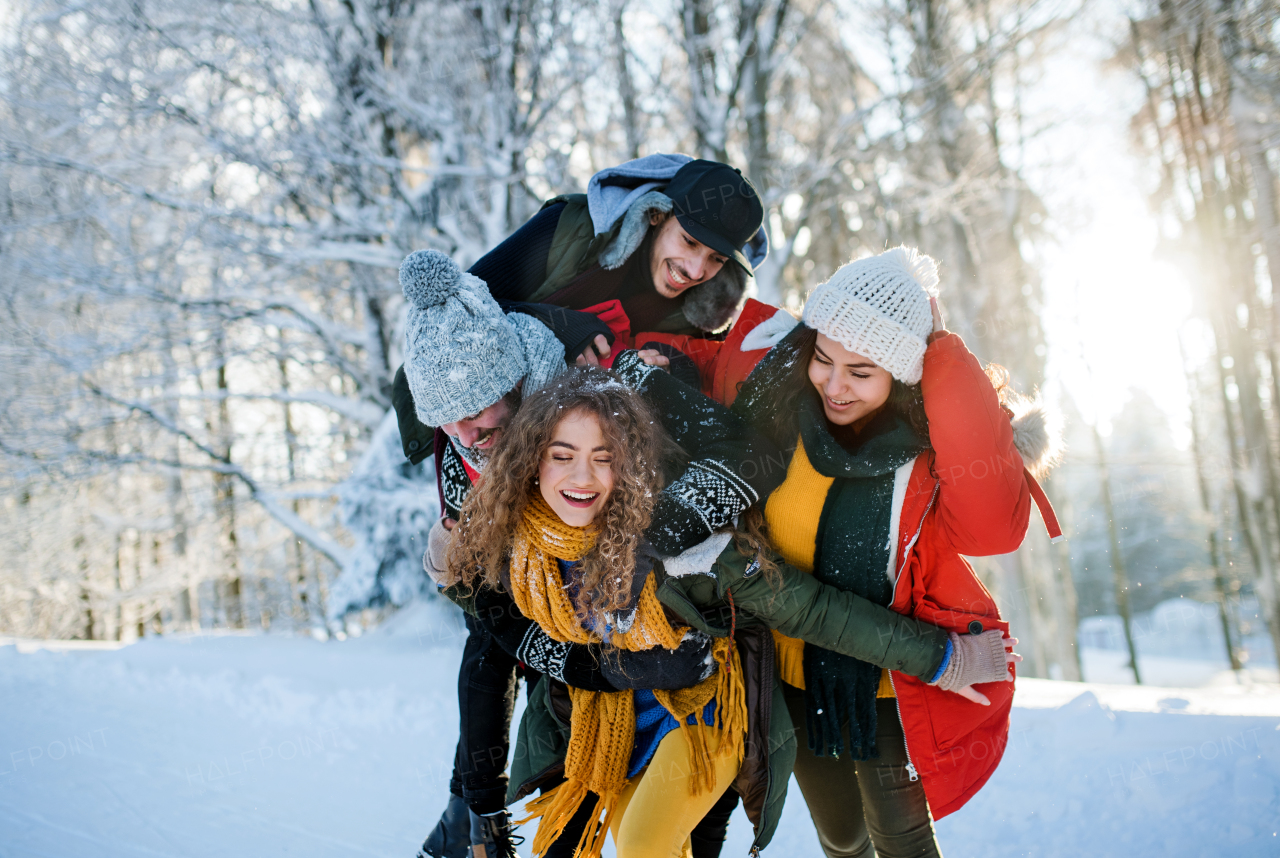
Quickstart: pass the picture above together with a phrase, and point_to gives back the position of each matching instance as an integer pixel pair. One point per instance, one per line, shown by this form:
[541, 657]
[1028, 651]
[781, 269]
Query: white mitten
[433, 561]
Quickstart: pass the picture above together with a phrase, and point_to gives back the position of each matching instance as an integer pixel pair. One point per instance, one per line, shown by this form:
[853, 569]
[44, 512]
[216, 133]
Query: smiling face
[480, 432]
[575, 474]
[679, 261]
[852, 387]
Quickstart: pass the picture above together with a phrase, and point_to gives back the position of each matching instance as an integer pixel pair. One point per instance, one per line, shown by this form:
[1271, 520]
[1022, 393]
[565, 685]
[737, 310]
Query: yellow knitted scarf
[602, 727]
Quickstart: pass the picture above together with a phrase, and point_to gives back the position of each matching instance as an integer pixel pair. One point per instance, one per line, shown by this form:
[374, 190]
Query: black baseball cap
[718, 206]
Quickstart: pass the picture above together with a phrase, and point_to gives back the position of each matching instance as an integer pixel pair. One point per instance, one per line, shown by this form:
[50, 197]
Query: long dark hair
[786, 378]
[779, 384]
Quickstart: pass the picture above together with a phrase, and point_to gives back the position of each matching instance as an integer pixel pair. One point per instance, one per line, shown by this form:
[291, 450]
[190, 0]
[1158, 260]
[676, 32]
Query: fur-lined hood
[1036, 434]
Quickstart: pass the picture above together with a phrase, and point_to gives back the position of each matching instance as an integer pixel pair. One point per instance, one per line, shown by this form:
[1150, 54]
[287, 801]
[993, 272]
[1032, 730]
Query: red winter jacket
[722, 363]
[968, 495]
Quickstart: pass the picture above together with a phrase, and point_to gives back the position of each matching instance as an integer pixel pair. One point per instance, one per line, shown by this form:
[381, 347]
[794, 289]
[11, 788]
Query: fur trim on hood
[709, 306]
[1036, 435]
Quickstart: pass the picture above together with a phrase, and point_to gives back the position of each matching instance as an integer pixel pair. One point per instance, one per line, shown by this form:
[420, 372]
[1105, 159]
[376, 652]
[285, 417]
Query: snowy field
[270, 745]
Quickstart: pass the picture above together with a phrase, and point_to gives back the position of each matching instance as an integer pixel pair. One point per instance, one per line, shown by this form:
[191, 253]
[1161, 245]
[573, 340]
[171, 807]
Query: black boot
[491, 836]
[450, 837]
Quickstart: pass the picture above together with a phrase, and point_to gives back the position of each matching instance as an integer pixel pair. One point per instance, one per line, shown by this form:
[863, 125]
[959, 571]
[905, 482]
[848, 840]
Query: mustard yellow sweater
[793, 512]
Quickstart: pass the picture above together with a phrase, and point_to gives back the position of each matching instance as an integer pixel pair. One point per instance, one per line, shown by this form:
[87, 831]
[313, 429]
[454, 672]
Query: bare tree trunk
[1119, 577]
[378, 336]
[1268, 228]
[225, 495]
[298, 585]
[631, 120]
[87, 604]
[140, 610]
[760, 29]
[1202, 479]
[1066, 605]
[224, 488]
[708, 113]
[1039, 628]
[1255, 537]
[188, 597]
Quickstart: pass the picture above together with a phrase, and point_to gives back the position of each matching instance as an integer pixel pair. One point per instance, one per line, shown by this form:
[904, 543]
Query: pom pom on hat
[429, 278]
[914, 264]
[461, 352]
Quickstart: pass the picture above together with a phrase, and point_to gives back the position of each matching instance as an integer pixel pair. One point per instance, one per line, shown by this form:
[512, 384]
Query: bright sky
[1113, 311]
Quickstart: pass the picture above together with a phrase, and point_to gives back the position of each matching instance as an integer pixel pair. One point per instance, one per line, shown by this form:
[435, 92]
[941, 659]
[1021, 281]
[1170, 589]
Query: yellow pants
[656, 811]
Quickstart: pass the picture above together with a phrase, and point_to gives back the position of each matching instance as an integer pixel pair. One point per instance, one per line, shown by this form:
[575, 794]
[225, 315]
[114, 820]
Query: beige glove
[975, 659]
[433, 561]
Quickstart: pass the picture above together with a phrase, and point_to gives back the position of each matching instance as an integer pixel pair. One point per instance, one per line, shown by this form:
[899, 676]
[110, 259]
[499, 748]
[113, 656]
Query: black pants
[864, 808]
[486, 700]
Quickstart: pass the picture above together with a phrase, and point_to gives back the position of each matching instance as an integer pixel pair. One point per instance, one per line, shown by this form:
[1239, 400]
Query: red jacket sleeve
[984, 502]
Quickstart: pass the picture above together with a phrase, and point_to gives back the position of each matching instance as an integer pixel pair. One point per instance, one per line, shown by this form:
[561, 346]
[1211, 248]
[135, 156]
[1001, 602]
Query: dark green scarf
[852, 553]
[852, 550]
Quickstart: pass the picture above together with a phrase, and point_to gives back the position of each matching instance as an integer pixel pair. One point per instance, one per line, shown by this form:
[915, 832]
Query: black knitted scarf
[852, 550]
[852, 553]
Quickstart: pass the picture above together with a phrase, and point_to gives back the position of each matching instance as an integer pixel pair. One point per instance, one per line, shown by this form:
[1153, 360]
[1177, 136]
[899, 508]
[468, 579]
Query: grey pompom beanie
[461, 353]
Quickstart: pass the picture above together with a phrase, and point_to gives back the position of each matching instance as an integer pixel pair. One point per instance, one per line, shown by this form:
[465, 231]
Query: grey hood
[630, 192]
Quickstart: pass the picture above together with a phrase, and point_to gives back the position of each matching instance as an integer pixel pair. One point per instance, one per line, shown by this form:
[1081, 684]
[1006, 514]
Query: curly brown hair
[751, 539]
[487, 525]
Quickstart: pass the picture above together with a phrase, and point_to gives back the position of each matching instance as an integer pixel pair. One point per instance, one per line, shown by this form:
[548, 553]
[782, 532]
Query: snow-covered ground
[270, 745]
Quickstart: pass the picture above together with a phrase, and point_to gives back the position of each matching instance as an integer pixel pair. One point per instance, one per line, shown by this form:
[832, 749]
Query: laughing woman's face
[575, 475]
[852, 387]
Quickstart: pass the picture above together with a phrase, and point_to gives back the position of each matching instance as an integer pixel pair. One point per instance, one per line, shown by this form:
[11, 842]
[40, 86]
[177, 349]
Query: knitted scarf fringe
[602, 726]
[730, 694]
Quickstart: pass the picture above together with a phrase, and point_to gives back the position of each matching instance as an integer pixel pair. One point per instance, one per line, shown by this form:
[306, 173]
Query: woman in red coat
[902, 458]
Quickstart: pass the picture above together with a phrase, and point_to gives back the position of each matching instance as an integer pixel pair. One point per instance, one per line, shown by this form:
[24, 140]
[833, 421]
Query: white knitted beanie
[878, 307]
[461, 353]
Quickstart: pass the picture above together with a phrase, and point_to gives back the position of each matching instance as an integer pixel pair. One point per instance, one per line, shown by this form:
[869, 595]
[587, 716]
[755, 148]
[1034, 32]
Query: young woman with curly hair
[556, 523]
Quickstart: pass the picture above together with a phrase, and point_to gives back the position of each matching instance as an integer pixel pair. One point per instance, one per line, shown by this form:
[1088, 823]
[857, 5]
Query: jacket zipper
[912, 773]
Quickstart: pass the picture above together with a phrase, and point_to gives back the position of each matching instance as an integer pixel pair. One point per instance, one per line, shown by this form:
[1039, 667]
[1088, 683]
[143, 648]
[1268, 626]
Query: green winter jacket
[737, 599]
[575, 247]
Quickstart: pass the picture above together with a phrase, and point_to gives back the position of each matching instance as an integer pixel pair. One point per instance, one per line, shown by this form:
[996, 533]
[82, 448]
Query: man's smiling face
[481, 432]
[679, 261]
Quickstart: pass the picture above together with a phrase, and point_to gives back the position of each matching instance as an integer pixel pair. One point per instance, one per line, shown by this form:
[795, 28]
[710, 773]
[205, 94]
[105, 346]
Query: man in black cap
[716, 212]
[674, 240]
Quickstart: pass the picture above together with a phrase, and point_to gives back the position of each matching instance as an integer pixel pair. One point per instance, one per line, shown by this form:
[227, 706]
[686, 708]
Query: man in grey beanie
[467, 366]
[465, 360]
